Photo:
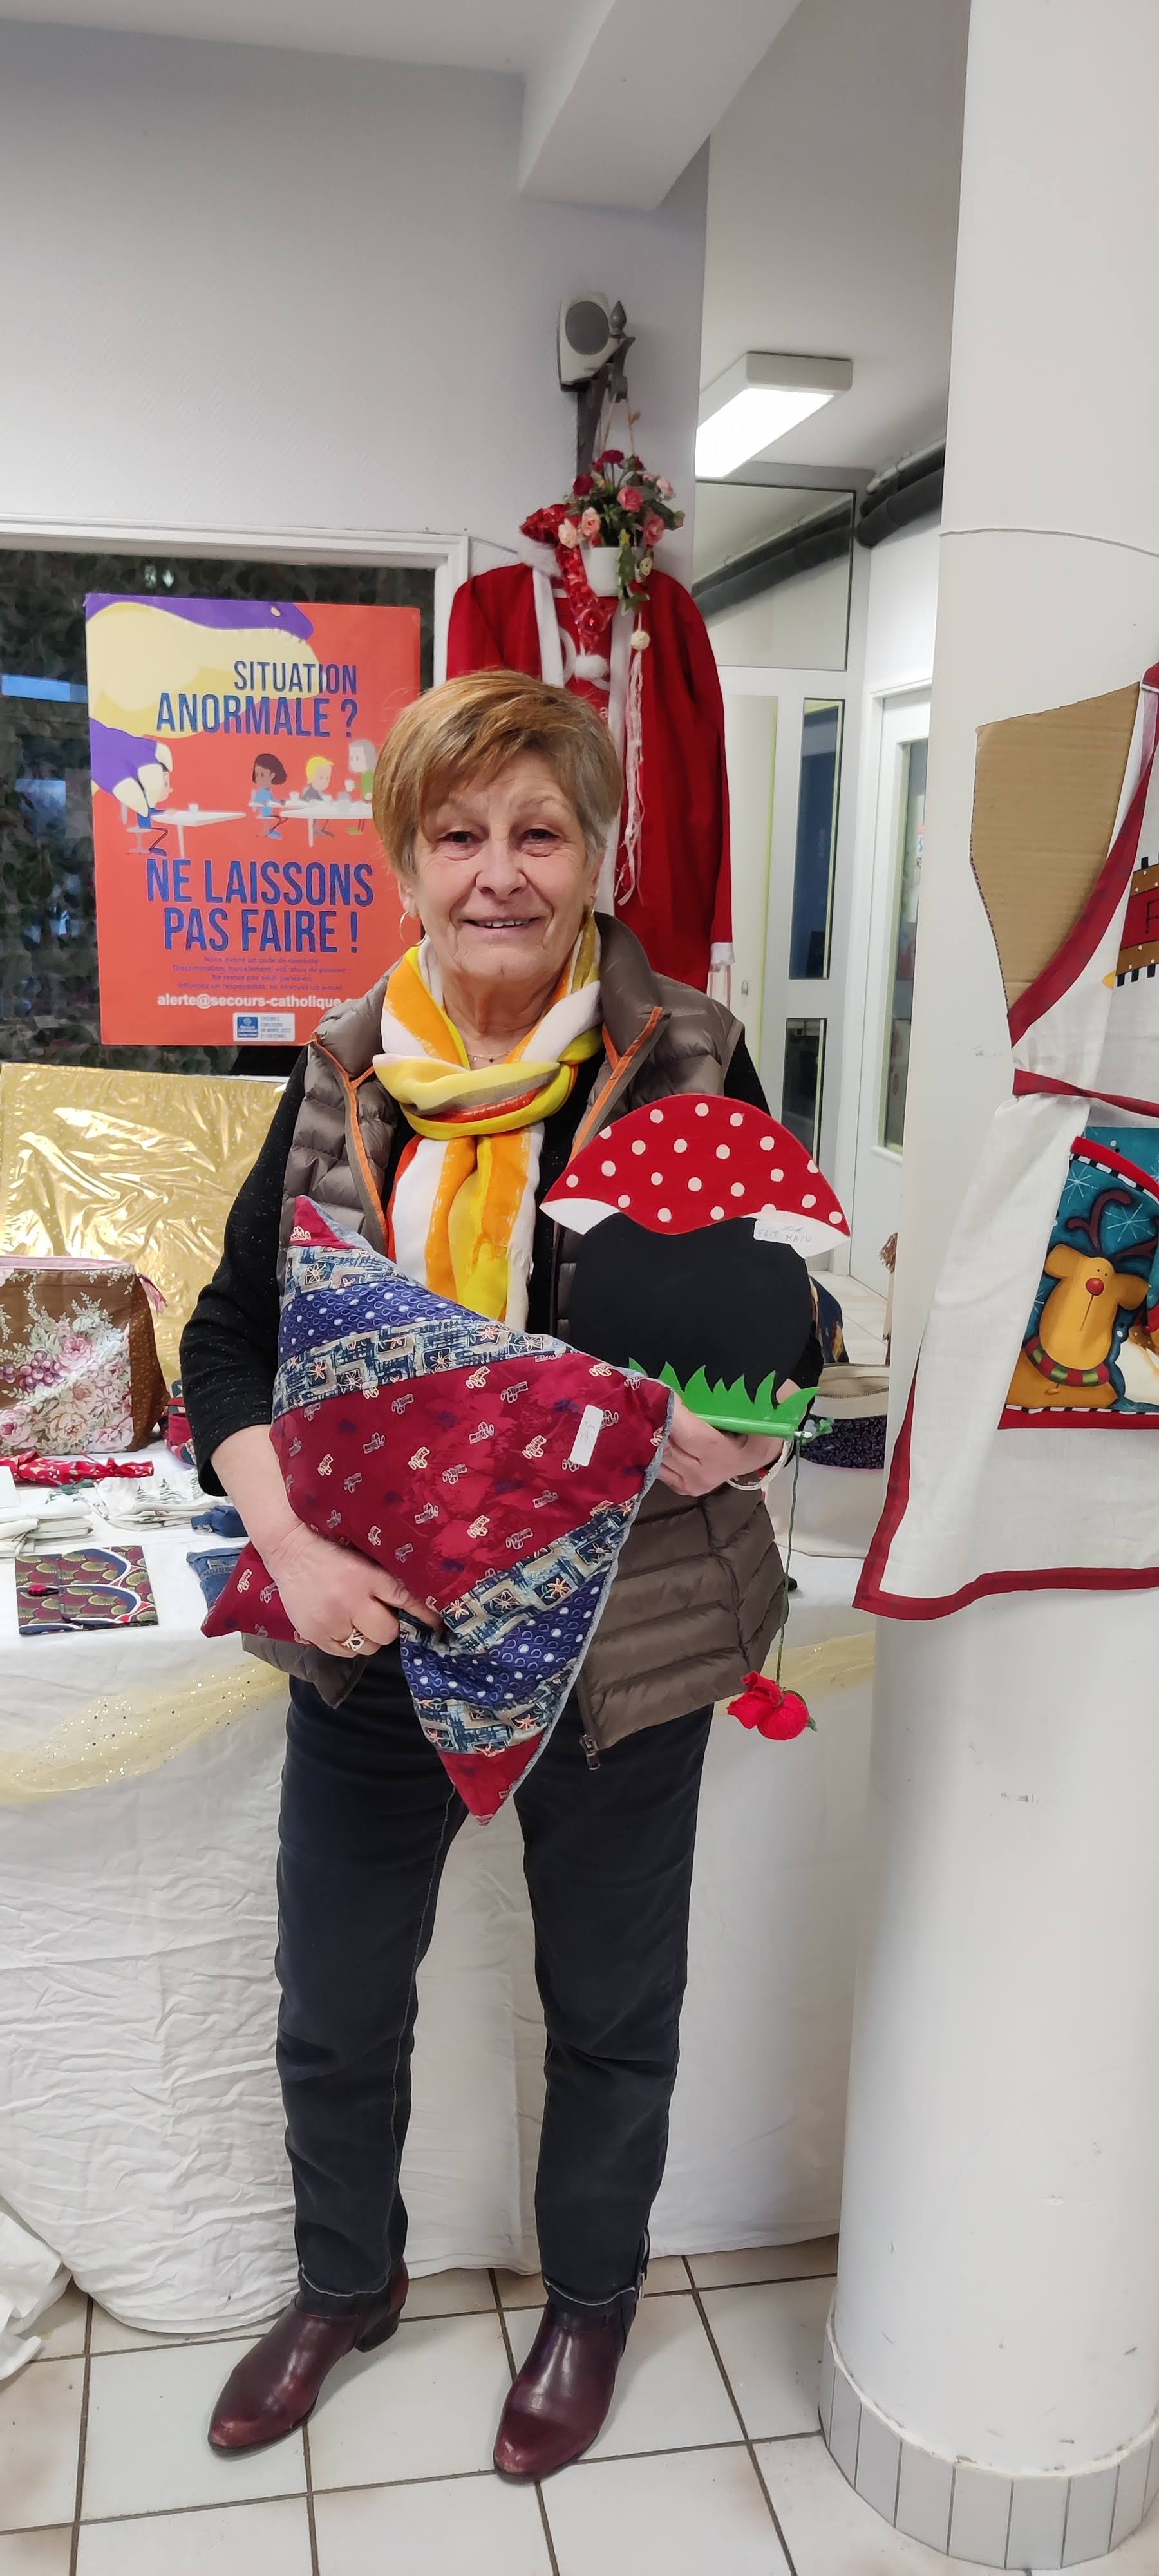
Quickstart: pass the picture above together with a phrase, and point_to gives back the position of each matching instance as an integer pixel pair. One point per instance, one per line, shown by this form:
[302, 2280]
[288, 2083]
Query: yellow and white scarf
[462, 1212]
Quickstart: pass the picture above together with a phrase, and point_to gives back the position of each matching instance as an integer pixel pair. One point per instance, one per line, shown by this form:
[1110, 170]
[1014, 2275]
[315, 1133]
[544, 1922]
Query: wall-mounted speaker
[588, 336]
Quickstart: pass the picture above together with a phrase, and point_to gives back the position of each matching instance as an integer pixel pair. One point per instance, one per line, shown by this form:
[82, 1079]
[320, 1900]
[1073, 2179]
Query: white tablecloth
[140, 2123]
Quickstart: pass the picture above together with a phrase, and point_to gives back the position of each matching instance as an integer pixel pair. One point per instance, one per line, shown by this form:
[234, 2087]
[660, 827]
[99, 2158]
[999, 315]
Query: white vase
[602, 566]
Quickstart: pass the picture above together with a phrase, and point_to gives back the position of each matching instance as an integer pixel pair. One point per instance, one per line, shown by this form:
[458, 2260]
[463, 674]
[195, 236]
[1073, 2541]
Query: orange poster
[241, 886]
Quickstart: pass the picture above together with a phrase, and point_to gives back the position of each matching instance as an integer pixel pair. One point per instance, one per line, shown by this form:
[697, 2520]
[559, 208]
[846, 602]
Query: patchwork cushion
[495, 1473]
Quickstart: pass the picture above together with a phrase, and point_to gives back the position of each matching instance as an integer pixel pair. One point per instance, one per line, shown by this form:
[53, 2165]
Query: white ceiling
[478, 35]
[833, 173]
[832, 218]
[618, 94]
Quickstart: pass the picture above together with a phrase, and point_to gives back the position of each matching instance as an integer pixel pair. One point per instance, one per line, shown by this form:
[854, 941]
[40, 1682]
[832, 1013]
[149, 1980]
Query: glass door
[788, 740]
[899, 843]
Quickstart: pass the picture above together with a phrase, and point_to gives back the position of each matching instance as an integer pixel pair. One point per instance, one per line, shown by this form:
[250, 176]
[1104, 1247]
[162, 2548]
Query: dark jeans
[368, 1816]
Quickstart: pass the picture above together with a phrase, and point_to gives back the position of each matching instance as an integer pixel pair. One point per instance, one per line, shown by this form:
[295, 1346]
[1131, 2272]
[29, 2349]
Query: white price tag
[583, 1446]
[800, 1236]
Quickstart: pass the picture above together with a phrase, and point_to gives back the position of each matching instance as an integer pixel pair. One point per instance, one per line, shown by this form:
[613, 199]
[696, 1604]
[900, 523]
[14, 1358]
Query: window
[803, 1082]
[49, 1010]
[911, 838]
[809, 938]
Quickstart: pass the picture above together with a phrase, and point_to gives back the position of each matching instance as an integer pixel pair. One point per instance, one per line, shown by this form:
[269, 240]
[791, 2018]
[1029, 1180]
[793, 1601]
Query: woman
[493, 798]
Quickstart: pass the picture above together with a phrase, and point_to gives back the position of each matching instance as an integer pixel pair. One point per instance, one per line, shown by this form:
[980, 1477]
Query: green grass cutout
[732, 1408]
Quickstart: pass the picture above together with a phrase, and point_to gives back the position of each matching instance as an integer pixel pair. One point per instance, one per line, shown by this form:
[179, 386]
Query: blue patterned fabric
[494, 1474]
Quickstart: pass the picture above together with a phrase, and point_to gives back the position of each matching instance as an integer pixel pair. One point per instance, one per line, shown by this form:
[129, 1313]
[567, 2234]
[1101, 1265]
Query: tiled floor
[863, 1319]
[709, 2465]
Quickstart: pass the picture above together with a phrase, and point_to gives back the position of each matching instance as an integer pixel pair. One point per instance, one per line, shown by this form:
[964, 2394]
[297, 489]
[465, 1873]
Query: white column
[992, 2374]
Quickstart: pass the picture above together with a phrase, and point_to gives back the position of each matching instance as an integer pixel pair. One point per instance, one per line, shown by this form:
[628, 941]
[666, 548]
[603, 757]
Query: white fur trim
[620, 673]
[536, 553]
[629, 877]
[547, 623]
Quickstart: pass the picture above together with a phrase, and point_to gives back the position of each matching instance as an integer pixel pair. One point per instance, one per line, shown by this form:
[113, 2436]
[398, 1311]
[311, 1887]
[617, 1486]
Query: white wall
[281, 290]
[903, 604]
[802, 623]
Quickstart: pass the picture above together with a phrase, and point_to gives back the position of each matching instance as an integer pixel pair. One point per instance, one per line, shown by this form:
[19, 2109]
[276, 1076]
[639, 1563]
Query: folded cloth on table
[162, 1506]
[31, 1521]
[494, 1473]
[95, 1587]
[213, 1567]
[222, 1519]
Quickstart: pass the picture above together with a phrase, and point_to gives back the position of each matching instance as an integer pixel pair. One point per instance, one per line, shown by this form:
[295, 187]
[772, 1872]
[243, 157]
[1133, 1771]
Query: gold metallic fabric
[140, 1166]
[126, 1733]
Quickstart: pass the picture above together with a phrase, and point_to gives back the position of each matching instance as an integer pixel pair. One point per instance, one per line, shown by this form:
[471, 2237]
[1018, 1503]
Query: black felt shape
[716, 1300]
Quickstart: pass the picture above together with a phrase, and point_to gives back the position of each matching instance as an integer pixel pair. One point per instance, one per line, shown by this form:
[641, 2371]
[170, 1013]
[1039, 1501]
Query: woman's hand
[698, 1458]
[328, 1592]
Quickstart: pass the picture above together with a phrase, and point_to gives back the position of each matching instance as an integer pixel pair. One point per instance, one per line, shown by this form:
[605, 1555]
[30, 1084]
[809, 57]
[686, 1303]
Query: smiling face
[502, 881]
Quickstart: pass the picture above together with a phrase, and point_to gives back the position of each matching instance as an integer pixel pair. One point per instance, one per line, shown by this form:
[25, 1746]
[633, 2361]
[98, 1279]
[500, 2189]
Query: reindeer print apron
[1029, 1455]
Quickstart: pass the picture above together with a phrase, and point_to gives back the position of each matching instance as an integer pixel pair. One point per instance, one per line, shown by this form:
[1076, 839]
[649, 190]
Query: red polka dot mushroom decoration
[696, 1219]
[695, 1161]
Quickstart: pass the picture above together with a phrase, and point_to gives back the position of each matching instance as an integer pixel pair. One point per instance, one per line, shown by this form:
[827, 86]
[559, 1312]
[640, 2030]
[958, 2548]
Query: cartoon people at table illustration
[359, 781]
[147, 788]
[316, 791]
[268, 773]
[361, 758]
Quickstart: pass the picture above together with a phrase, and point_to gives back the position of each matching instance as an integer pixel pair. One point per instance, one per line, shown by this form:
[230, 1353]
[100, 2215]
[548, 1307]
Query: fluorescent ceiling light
[758, 401]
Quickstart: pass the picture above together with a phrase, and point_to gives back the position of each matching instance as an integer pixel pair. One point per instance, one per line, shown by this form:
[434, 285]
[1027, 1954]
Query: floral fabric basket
[78, 1357]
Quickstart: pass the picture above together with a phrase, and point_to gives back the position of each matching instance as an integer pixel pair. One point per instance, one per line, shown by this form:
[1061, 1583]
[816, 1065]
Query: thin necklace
[483, 1055]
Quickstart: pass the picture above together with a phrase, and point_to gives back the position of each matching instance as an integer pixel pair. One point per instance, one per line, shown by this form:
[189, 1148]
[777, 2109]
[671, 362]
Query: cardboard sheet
[1046, 788]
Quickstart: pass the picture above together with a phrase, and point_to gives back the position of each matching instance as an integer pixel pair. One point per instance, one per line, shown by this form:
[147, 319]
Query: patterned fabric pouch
[91, 1587]
[495, 1473]
[78, 1357]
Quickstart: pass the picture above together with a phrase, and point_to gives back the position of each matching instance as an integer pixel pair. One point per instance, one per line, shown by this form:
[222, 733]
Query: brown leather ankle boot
[561, 2397]
[277, 2385]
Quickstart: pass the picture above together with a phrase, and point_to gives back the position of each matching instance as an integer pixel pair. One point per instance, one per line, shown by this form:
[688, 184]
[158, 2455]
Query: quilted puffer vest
[699, 1595]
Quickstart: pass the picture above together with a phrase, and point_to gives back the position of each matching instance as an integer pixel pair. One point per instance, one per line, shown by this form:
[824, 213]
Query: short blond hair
[472, 728]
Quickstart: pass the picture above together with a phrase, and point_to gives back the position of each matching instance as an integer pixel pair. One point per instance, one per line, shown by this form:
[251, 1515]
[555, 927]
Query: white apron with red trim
[1028, 1457]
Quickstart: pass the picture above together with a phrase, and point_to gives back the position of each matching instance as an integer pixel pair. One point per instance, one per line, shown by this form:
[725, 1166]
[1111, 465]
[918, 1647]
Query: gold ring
[355, 1643]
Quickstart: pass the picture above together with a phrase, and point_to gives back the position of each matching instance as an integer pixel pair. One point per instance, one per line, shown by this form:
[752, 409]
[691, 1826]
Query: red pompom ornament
[777, 1713]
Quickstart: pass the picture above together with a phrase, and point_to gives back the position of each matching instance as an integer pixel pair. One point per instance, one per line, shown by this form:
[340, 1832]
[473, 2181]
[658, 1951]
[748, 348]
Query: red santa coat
[681, 904]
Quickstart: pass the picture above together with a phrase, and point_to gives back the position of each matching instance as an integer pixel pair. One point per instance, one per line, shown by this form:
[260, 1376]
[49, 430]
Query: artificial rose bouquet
[621, 504]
